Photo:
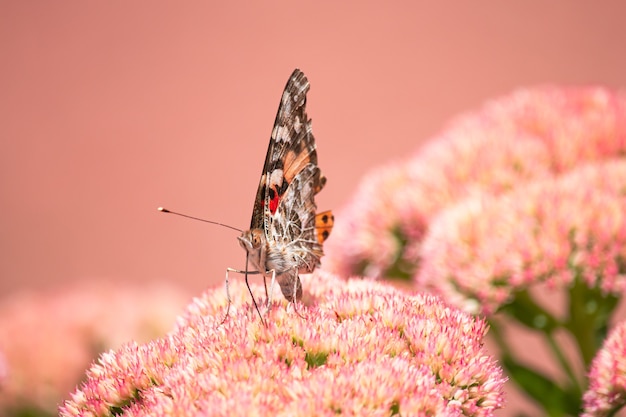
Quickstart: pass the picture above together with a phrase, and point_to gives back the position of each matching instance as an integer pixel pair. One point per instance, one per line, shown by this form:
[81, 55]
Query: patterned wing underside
[294, 230]
[284, 206]
[291, 149]
[293, 227]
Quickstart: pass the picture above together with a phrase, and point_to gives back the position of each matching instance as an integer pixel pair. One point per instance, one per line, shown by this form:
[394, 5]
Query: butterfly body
[286, 235]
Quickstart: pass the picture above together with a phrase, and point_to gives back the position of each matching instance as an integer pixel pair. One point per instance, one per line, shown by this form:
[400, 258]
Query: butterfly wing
[291, 148]
[293, 230]
[285, 205]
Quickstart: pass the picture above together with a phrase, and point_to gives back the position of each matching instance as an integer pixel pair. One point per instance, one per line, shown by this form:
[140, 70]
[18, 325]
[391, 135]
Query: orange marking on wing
[324, 223]
[294, 164]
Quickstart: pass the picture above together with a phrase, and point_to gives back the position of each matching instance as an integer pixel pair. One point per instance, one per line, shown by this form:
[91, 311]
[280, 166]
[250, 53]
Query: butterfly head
[251, 240]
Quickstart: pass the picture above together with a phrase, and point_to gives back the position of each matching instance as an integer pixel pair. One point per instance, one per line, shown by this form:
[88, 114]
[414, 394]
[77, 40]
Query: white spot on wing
[297, 125]
[280, 133]
[276, 178]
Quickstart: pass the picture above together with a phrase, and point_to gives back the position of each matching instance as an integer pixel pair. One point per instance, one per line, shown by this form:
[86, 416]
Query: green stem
[524, 310]
[579, 322]
[589, 313]
[565, 365]
[496, 333]
[555, 401]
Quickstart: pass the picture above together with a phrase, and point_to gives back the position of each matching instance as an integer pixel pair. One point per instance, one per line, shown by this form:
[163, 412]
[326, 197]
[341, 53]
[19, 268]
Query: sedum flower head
[575, 124]
[607, 377]
[362, 349]
[375, 232]
[529, 135]
[478, 252]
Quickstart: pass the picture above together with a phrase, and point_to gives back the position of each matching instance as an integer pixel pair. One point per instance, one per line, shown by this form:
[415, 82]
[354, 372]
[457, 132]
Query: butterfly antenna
[164, 210]
[250, 291]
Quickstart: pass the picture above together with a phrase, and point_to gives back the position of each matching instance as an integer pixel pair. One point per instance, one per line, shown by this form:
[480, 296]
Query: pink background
[110, 109]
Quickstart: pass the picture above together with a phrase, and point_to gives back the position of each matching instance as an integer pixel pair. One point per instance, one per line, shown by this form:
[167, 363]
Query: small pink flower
[607, 377]
[362, 349]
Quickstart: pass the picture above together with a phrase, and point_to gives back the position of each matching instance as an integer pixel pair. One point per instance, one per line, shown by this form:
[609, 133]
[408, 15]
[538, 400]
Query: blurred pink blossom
[529, 135]
[394, 203]
[363, 348]
[575, 124]
[479, 251]
[49, 339]
[607, 377]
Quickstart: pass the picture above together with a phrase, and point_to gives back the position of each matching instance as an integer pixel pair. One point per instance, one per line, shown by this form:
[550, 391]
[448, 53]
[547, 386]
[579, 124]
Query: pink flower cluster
[47, 340]
[575, 124]
[528, 136]
[484, 248]
[363, 348]
[607, 378]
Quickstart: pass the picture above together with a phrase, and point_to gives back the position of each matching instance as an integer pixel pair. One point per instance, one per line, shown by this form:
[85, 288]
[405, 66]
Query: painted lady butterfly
[286, 235]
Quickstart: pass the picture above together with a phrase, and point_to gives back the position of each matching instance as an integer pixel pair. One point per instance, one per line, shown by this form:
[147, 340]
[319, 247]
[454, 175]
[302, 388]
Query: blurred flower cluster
[552, 231]
[363, 348]
[48, 340]
[529, 136]
[527, 194]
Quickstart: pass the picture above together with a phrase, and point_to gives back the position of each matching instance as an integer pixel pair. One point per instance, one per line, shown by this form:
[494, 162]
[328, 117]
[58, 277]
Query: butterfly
[286, 234]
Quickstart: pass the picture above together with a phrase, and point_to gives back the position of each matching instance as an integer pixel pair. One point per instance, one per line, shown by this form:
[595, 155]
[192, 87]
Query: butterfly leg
[271, 293]
[246, 273]
[227, 295]
[295, 292]
[267, 296]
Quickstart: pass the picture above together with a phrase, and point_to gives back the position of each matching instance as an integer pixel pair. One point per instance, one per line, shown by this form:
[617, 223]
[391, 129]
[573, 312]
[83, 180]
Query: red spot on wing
[274, 203]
